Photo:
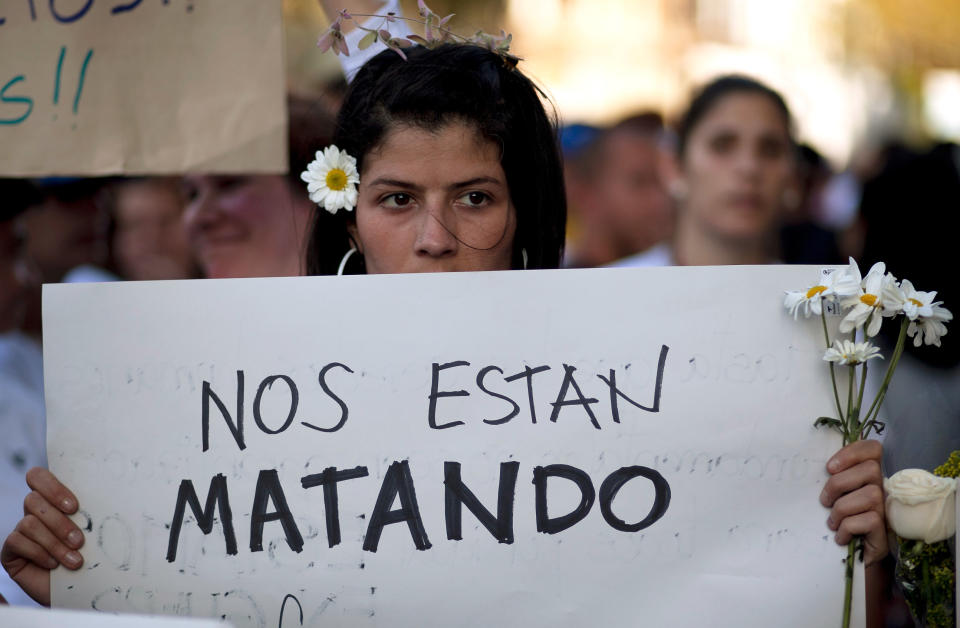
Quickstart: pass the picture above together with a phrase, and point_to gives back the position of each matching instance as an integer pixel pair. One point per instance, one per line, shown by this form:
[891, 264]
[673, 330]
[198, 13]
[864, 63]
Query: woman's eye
[474, 199]
[772, 148]
[228, 184]
[722, 143]
[396, 201]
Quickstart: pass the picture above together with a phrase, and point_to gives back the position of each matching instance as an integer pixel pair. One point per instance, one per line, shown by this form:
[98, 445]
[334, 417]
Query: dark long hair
[716, 90]
[454, 83]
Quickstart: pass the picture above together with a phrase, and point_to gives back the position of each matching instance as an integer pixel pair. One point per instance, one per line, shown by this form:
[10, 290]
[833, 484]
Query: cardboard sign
[613, 447]
[94, 87]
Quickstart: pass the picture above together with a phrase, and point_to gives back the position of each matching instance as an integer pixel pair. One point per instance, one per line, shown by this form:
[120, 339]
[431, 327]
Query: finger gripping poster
[549, 448]
[96, 87]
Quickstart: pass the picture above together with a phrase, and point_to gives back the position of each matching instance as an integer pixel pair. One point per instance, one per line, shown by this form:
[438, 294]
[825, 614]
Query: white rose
[921, 506]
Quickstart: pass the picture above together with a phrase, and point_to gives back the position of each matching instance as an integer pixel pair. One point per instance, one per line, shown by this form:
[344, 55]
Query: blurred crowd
[646, 190]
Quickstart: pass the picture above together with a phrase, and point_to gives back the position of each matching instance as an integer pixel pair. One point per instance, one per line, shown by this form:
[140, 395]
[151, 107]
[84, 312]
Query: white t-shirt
[23, 445]
[655, 256]
[352, 64]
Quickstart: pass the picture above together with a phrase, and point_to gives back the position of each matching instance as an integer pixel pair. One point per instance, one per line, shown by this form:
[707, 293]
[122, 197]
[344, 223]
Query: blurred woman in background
[736, 160]
[257, 225]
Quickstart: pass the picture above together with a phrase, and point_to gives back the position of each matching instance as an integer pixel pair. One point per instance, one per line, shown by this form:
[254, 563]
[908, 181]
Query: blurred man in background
[149, 239]
[66, 228]
[21, 373]
[616, 193]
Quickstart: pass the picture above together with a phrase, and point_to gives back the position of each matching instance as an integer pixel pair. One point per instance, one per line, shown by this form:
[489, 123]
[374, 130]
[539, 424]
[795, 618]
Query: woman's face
[246, 226]
[737, 165]
[434, 201]
[149, 240]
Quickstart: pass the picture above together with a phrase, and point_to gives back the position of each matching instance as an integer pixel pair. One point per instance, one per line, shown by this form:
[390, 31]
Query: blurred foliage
[899, 33]
[472, 15]
[310, 72]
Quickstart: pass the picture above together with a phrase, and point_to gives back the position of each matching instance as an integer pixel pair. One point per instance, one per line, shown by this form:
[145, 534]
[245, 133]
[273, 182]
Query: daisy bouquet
[864, 302]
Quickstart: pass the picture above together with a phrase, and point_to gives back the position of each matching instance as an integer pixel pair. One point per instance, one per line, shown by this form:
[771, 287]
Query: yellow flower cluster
[950, 468]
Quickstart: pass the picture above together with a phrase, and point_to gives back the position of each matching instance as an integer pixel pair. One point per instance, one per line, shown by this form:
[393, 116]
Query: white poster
[614, 447]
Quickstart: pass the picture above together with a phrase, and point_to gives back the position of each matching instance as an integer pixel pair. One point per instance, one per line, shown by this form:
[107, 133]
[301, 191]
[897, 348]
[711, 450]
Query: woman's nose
[748, 162]
[434, 237]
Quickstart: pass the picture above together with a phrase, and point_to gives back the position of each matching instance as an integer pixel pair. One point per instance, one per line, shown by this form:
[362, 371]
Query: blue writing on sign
[120, 8]
[83, 77]
[24, 100]
[69, 11]
[66, 19]
[24, 103]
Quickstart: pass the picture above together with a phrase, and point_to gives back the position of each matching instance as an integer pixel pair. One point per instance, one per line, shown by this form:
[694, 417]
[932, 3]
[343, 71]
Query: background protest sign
[92, 87]
[322, 430]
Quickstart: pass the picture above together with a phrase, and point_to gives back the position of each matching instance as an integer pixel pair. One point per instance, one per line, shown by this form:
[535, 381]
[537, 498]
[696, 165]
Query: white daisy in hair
[332, 180]
[848, 352]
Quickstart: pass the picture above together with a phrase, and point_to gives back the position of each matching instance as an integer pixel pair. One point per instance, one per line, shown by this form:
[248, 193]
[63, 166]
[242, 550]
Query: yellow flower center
[915, 302]
[337, 180]
[814, 291]
[869, 299]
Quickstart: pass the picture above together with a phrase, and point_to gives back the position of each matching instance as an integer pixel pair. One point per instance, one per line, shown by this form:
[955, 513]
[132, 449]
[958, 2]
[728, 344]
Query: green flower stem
[848, 584]
[874, 410]
[863, 382]
[850, 426]
[833, 374]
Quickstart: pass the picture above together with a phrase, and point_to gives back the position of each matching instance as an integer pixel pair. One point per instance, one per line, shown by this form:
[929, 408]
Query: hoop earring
[523, 254]
[343, 262]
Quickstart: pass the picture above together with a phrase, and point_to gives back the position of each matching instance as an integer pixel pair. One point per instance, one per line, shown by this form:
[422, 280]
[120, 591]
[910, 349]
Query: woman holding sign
[445, 160]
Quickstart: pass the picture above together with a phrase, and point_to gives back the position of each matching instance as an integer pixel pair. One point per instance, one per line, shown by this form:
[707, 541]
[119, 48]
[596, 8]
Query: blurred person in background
[803, 239]
[906, 211]
[66, 227]
[736, 168]
[149, 241]
[576, 143]
[258, 225]
[614, 184]
[22, 444]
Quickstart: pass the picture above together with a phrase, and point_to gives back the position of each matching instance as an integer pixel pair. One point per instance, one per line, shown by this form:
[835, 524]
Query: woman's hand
[854, 495]
[44, 538]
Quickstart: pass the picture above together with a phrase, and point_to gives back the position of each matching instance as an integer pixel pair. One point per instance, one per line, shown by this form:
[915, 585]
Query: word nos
[398, 484]
[569, 394]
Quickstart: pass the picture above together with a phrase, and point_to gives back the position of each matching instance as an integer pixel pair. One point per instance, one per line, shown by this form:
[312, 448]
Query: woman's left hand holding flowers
[854, 495]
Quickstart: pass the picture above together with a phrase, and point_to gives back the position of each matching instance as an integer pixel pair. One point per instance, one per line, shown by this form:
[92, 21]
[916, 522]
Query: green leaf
[368, 40]
[828, 421]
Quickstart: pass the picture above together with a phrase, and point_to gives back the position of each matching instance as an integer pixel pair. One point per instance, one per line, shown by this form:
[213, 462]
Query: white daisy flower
[839, 283]
[878, 295]
[332, 180]
[929, 329]
[846, 283]
[917, 303]
[849, 352]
